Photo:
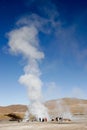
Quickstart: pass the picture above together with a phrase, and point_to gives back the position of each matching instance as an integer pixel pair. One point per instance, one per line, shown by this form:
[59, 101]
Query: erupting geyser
[24, 40]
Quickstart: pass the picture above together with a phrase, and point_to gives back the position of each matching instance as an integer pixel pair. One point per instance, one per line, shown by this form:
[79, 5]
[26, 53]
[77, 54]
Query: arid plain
[77, 107]
[42, 126]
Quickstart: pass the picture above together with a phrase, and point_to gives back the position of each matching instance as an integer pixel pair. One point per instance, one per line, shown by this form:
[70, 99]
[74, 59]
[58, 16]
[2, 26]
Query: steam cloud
[24, 40]
[63, 109]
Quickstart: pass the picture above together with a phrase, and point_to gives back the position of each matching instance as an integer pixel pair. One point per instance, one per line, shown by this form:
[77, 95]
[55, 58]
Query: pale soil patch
[43, 126]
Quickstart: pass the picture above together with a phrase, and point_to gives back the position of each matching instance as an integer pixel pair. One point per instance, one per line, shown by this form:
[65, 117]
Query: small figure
[43, 120]
[39, 119]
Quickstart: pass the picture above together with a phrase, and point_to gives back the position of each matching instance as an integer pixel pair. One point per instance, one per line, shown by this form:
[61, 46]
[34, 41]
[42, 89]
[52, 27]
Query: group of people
[58, 119]
[42, 119]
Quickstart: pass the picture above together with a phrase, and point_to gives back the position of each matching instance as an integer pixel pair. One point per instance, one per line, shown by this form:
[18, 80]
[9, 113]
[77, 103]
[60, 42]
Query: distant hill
[73, 105]
[13, 108]
[18, 109]
[58, 106]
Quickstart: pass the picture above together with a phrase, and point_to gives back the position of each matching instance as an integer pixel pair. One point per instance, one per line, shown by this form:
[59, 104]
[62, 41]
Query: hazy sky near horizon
[62, 36]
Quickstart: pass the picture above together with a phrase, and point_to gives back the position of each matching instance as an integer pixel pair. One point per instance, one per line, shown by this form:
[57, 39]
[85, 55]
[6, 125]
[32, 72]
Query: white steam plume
[24, 40]
[63, 109]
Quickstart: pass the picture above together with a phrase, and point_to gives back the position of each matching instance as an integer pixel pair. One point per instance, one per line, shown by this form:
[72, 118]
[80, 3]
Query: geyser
[24, 41]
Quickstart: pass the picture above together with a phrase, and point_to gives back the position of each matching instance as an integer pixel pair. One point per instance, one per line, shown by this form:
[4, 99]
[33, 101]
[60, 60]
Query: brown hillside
[13, 108]
[73, 105]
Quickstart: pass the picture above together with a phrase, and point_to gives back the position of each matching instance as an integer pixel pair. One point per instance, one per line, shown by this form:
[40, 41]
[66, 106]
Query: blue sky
[63, 39]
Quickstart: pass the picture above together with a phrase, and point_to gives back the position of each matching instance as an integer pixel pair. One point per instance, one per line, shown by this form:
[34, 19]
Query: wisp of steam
[63, 109]
[24, 40]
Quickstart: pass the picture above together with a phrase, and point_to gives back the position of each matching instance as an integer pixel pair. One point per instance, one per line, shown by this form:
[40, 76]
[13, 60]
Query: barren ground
[77, 107]
[73, 125]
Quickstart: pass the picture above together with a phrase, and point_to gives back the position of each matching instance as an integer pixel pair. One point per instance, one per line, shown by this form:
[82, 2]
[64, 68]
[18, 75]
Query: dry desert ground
[73, 125]
[77, 107]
